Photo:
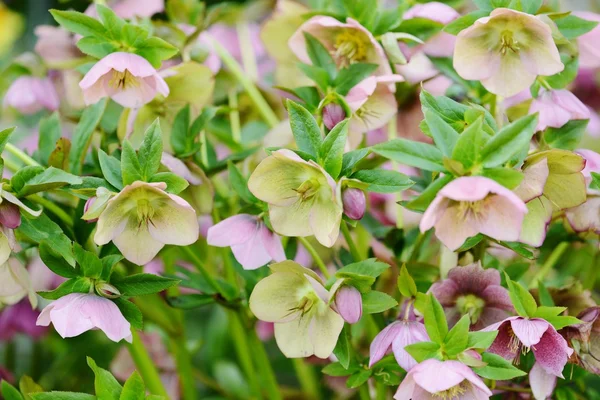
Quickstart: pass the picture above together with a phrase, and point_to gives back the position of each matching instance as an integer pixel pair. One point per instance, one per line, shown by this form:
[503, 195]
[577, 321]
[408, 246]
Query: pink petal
[272, 243]
[383, 342]
[411, 332]
[552, 352]
[233, 230]
[348, 302]
[542, 383]
[529, 331]
[252, 253]
[430, 371]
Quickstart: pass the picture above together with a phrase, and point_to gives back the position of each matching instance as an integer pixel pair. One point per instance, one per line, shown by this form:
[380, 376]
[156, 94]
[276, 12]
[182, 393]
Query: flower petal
[552, 352]
[324, 331]
[237, 229]
[529, 331]
[542, 383]
[276, 297]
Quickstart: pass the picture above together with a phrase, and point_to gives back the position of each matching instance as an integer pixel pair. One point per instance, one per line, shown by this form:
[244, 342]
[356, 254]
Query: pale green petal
[293, 338]
[276, 297]
[324, 331]
[510, 78]
[292, 220]
[536, 221]
[292, 266]
[565, 190]
[175, 222]
[325, 218]
[5, 249]
[136, 244]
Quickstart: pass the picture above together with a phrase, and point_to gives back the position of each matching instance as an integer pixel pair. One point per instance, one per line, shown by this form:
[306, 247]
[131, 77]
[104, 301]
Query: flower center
[349, 47]
[145, 212]
[470, 207]
[508, 43]
[453, 393]
[308, 189]
[515, 345]
[471, 305]
[123, 80]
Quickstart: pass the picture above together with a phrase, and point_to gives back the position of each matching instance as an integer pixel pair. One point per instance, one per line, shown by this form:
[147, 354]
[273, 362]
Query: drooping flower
[556, 108]
[519, 334]
[586, 217]
[126, 78]
[29, 95]
[294, 298]
[505, 45]
[474, 291]
[442, 44]
[473, 204]
[584, 338]
[20, 319]
[542, 383]
[251, 242]
[15, 283]
[459, 382]
[303, 198]
[348, 43]
[77, 313]
[589, 53]
[143, 218]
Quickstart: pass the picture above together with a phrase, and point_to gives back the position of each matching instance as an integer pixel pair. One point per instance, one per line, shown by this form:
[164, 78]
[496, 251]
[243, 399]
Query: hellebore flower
[126, 78]
[143, 218]
[347, 300]
[542, 384]
[459, 382]
[474, 291]
[15, 283]
[518, 334]
[76, 313]
[589, 53]
[506, 51]
[348, 43]
[303, 198]
[586, 217]
[20, 318]
[395, 337]
[29, 95]
[355, 203]
[294, 298]
[584, 338]
[442, 44]
[556, 108]
[251, 242]
[56, 45]
[470, 205]
[129, 9]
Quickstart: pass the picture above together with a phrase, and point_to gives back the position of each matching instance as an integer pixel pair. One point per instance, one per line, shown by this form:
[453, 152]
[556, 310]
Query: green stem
[201, 268]
[351, 245]
[240, 341]
[14, 167]
[363, 391]
[56, 210]
[185, 369]
[550, 262]
[307, 378]
[315, 256]
[381, 392]
[20, 154]
[145, 366]
[264, 365]
[257, 98]
[247, 50]
[234, 117]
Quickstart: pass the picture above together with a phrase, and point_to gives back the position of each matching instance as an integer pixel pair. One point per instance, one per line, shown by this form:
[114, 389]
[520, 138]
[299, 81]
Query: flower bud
[86, 207]
[10, 215]
[348, 302]
[332, 115]
[355, 203]
[107, 290]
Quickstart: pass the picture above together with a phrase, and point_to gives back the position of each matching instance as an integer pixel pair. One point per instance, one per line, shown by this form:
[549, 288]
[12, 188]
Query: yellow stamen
[508, 43]
[123, 80]
[350, 48]
[453, 393]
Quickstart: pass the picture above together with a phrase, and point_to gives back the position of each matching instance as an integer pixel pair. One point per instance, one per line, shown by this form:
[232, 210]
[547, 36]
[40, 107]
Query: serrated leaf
[458, 338]
[56, 263]
[510, 140]
[331, 150]
[481, 340]
[79, 23]
[423, 350]
[376, 302]
[444, 136]
[305, 129]
[522, 300]
[150, 152]
[131, 170]
[406, 284]
[435, 320]
[414, 154]
[90, 118]
[143, 284]
[498, 368]
[107, 387]
[111, 169]
[383, 181]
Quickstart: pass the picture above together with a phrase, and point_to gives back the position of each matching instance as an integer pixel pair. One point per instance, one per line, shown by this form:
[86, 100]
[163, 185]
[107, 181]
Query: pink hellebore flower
[126, 78]
[589, 51]
[542, 384]
[251, 242]
[516, 334]
[586, 217]
[29, 94]
[129, 9]
[442, 44]
[395, 337]
[474, 291]
[76, 313]
[348, 43]
[143, 218]
[15, 283]
[556, 108]
[434, 379]
[507, 44]
[474, 204]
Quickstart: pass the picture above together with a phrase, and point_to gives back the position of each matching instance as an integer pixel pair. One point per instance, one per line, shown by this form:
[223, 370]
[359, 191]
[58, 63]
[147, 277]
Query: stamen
[349, 47]
[123, 80]
[454, 393]
[508, 43]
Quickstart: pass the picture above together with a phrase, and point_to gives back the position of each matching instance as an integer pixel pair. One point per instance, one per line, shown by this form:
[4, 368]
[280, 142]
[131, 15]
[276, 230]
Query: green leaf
[383, 180]
[336, 369]
[27, 386]
[134, 388]
[435, 320]
[9, 392]
[458, 338]
[406, 284]
[50, 132]
[568, 136]
[5, 135]
[111, 169]
[358, 378]
[155, 50]
[319, 55]
[509, 141]
[131, 312]
[522, 300]
[50, 179]
[143, 284]
[481, 340]
[316, 74]
[96, 47]
[150, 152]
[175, 183]
[79, 23]
[459, 24]
[41, 229]
[518, 248]
[74, 285]
[567, 75]
[55, 262]
[108, 263]
[444, 136]
[423, 350]
[572, 26]
[180, 131]
[331, 150]
[112, 23]
[468, 146]
[370, 267]
[343, 347]
[62, 396]
[414, 154]
[507, 177]
[191, 301]
[376, 302]
[421, 202]
[107, 387]
[351, 158]
[240, 184]
[131, 170]
[305, 129]
[498, 368]
[351, 76]
[89, 262]
[90, 118]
